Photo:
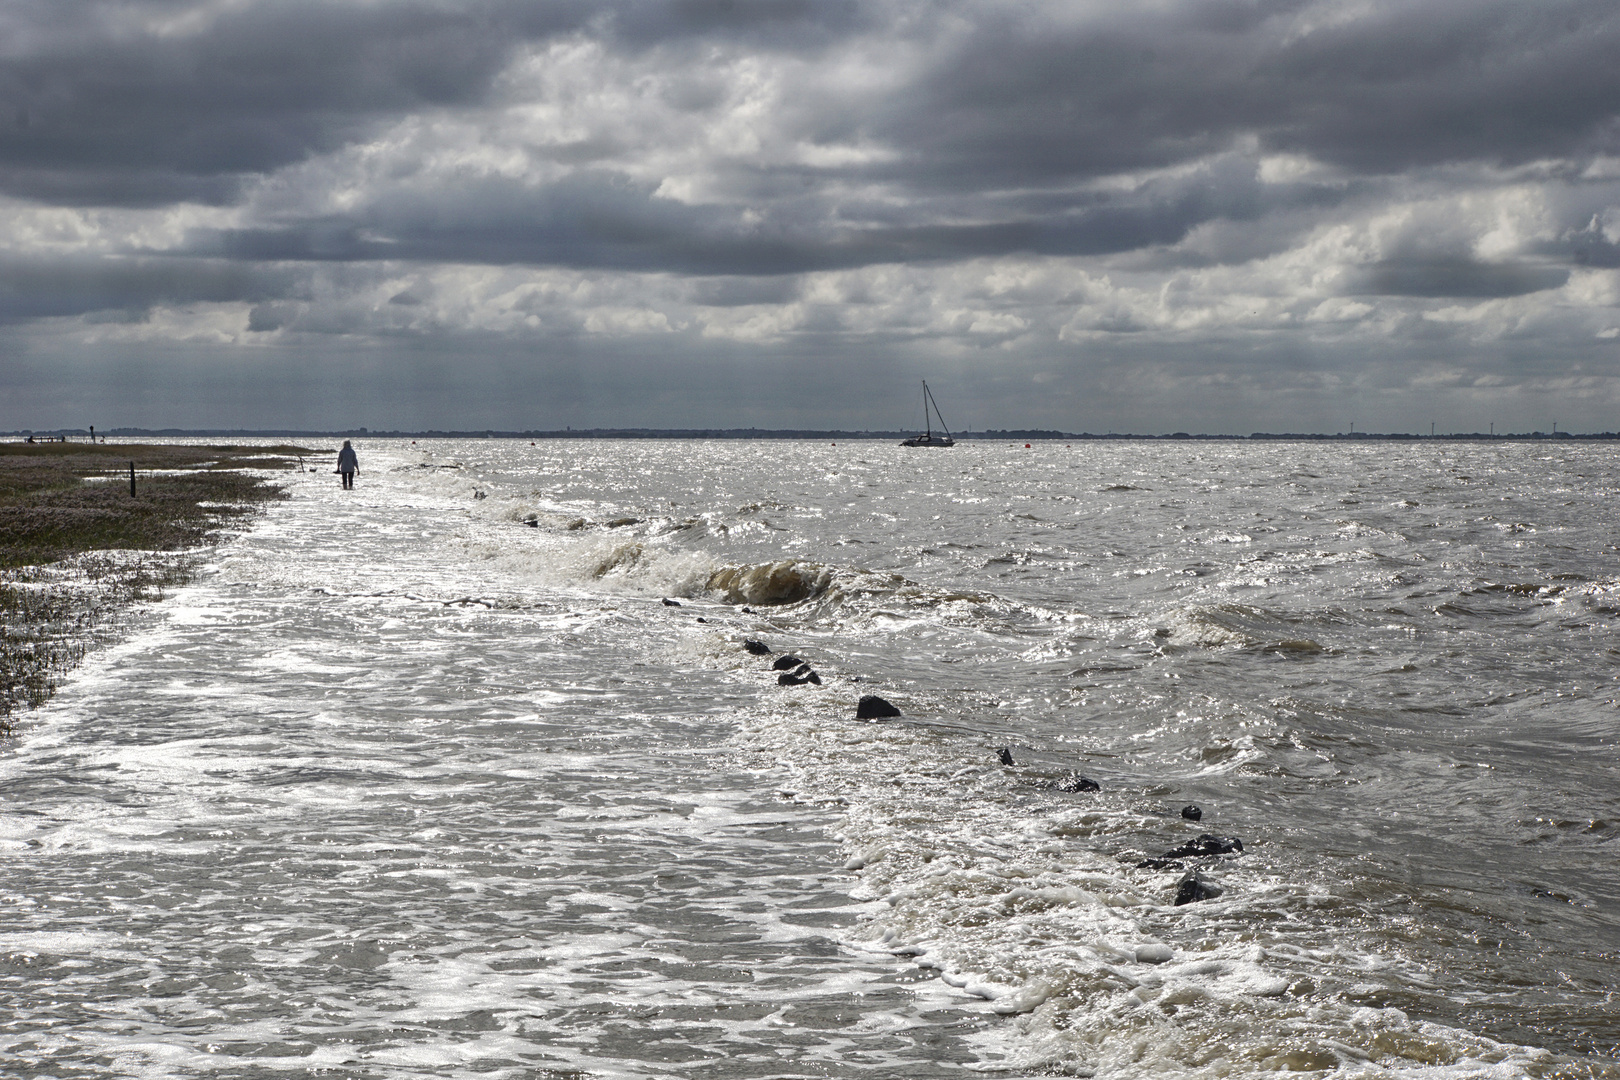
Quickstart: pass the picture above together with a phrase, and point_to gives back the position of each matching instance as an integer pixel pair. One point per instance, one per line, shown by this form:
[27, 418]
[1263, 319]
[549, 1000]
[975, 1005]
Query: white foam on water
[403, 786]
[989, 886]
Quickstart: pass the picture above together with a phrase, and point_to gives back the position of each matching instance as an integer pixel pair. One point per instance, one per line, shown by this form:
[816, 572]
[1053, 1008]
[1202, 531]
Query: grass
[76, 548]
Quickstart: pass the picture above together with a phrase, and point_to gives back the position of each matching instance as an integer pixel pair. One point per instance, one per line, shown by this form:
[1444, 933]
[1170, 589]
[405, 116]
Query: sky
[1214, 216]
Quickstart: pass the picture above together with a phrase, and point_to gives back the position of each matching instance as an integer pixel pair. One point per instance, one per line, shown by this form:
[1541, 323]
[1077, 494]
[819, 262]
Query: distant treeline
[992, 434]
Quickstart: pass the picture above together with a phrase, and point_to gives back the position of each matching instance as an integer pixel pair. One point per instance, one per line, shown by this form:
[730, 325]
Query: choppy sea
[426, 779]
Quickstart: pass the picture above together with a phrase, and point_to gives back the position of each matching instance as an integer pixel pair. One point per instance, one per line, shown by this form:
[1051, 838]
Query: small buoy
[531, 444]
[1026, 446]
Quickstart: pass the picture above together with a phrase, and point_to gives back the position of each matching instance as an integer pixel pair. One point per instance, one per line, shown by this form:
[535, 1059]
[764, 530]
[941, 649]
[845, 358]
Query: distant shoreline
[1026, 435]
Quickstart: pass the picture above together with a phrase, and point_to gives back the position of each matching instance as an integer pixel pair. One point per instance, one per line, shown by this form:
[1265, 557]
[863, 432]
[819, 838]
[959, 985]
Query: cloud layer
[1181, 215]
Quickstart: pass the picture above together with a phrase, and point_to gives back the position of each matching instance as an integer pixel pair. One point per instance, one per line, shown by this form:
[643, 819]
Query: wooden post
[132, 479]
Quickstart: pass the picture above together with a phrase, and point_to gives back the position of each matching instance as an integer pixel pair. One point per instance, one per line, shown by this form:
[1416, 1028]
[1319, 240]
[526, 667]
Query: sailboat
[928, 438]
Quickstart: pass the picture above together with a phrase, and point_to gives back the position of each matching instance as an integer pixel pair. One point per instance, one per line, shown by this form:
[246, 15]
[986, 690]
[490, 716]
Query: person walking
[348, 464]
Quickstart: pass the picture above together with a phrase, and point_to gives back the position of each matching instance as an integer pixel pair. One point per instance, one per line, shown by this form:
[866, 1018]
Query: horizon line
[801, 434]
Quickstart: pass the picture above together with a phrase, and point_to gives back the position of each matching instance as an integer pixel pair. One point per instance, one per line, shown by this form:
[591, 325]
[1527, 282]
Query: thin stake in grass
[63, 583]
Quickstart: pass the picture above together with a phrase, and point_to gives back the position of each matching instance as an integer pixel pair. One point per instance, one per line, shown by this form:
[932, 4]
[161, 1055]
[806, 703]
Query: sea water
[427, 779]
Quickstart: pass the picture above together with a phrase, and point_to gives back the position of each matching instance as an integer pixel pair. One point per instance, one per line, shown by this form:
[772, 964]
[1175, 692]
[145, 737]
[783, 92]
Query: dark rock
[702, 619]
[671, 603]
[1195, 887]
[1192, 813]
[757, 648]
[872, 707]
[747, 611]
[1004, 754]
[1206, 845]
[785, 663]
[1078, 783]
[798, 678]
[533, 523]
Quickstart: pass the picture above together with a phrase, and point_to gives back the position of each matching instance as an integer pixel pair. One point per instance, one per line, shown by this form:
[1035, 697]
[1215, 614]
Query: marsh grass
[76, 550]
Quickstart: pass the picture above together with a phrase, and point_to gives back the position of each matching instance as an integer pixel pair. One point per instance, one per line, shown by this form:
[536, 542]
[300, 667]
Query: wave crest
[618, 557]
[771, 584]
[1243, 626]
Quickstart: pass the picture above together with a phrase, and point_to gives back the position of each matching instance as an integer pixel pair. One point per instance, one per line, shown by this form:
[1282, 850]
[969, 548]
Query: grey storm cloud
[100, 112]
[45, 286]
[1460, 277]
[1412, 85]
[105, 103]
[97, 112]
[602, 220]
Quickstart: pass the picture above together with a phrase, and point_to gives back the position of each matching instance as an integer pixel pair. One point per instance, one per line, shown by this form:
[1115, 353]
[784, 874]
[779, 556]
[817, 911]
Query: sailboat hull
[929, 440]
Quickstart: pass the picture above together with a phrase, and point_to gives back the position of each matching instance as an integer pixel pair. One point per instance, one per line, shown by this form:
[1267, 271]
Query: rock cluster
[1072, 783]
[794, 671]
[1193, 887]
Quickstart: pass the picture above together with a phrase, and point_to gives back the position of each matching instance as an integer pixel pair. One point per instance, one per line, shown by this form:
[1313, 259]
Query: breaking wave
[769, 584]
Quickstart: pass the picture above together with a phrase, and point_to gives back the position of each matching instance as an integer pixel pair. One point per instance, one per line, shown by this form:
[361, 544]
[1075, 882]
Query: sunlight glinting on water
[426, 779]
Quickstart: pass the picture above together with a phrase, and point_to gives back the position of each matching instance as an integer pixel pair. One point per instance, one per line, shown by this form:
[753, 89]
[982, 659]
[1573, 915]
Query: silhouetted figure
[348, 464]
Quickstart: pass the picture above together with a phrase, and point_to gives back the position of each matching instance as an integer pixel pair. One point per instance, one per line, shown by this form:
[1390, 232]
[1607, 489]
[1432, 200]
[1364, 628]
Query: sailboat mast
[928, 429]
[930, 401]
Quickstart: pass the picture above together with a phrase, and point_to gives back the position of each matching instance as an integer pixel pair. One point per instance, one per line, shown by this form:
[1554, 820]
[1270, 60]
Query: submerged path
[320, 818]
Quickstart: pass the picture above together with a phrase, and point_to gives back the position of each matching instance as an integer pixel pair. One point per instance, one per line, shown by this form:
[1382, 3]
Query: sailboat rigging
[928, 438]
